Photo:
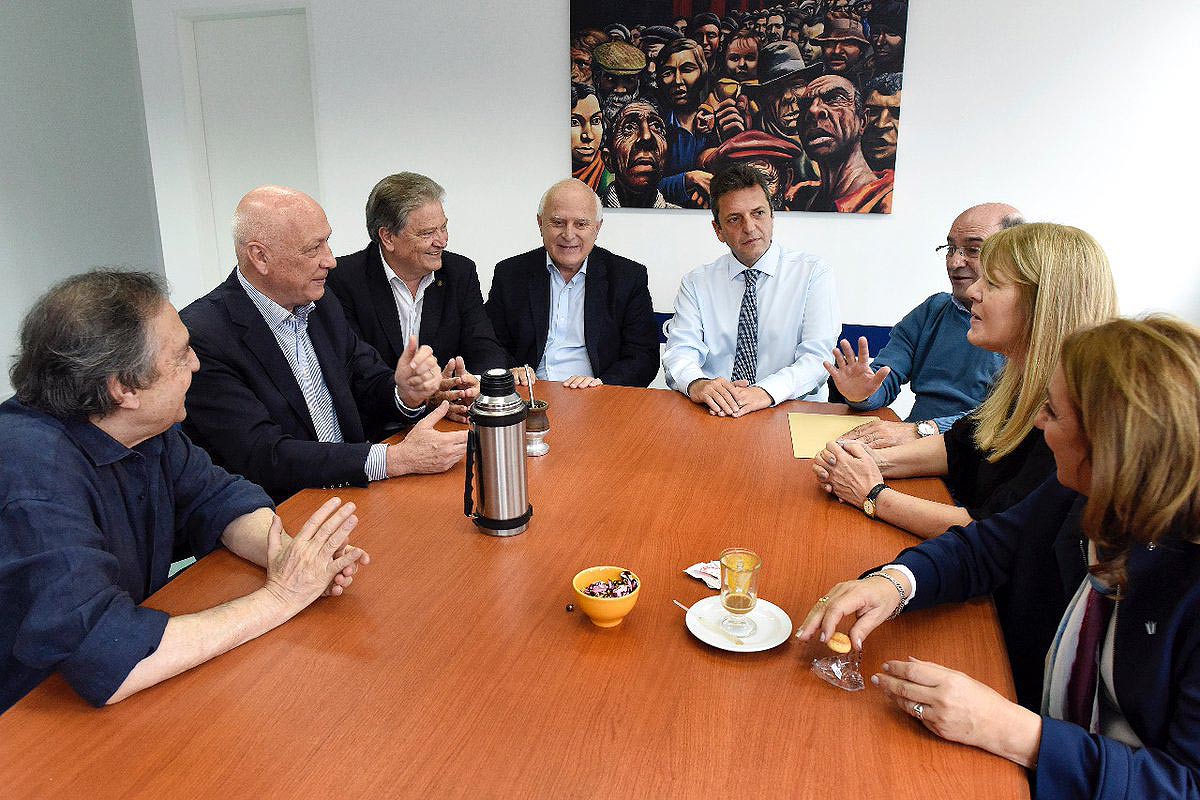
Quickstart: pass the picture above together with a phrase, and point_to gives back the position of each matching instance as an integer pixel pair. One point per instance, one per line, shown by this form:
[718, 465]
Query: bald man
[576, 312]
[287, 393]
[929, 348]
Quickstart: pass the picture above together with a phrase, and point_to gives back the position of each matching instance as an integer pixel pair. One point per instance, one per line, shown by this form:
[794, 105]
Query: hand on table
[318, 560]
[959, 708]
[417, 374]
[726, 398]
[852, 374]
[458, 387]
[582, 382]
[848, 470]
[524, 376]
[750, 398]
[872, 600]
[425, 449]
[878, 434]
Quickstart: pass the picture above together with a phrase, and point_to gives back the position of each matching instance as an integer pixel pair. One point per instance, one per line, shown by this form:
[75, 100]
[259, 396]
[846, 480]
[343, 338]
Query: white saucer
[774, 626]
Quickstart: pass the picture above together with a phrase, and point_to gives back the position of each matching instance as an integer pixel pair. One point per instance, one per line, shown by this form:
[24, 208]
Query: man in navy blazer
[287, 393]
[580, 314]
[405, 282]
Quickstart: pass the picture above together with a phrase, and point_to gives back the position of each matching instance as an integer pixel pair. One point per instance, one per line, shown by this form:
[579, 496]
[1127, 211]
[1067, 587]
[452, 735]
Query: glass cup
[739, 590]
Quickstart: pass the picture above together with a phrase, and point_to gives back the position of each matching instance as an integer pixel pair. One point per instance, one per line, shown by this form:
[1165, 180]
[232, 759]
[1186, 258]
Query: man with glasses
[287, 394]
[405, 283]
[928, 349]
[580, 314]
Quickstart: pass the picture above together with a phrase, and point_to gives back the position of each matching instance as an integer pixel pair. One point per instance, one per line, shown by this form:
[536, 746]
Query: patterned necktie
[745, 358]
[1085, 669]
[312, 383]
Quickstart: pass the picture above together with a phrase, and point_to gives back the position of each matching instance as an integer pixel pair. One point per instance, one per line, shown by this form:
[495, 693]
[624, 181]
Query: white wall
[1071, 110]
[75, 188]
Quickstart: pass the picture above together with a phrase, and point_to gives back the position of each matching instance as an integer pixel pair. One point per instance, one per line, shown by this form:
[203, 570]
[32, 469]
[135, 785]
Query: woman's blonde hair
[1134, 385]
[1065, 283]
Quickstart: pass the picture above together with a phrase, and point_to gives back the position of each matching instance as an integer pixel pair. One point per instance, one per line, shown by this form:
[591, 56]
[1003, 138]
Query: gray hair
[397, 196]
[570, 182]
[84, 331]
[1011, 220]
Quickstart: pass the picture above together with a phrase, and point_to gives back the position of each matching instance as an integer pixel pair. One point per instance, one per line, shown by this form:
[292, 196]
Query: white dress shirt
[798, 324]
[566, 350]
[408, 305]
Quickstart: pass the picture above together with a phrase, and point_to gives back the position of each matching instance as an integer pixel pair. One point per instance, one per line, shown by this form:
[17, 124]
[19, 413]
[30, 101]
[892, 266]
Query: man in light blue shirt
[579, 313]
[928, 349]
[752, 328]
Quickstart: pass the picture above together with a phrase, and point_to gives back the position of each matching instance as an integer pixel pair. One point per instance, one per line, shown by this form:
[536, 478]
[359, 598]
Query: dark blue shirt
[88, 530]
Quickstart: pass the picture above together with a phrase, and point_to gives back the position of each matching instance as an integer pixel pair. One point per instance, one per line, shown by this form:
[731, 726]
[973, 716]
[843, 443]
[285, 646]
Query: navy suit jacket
[246, 409]
[1156, 650]
[453, 322]
[618, 317]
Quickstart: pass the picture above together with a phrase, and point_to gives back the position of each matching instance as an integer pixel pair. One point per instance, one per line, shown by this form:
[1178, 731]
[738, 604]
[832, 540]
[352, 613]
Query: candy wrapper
[624, 585]
[707, 571]
[841, 670]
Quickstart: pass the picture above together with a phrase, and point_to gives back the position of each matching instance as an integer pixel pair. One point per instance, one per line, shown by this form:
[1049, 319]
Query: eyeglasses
[969, 253]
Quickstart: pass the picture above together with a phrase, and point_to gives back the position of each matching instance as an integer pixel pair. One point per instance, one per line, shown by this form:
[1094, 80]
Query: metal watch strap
[899, 588]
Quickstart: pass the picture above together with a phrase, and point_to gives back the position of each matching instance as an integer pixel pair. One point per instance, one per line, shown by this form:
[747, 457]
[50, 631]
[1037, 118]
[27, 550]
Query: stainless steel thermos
[497, 498]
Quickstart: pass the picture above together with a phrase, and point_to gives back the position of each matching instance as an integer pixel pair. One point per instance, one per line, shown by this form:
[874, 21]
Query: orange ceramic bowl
[607, 612]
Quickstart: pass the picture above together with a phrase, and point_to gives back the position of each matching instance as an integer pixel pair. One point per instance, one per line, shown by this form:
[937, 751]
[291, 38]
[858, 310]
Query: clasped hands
[726, 398]
[848, 470]
[319, 560]
[953, 705]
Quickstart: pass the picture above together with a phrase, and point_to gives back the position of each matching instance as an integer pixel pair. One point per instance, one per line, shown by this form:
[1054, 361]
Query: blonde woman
[1038, 282]
[1121, 690]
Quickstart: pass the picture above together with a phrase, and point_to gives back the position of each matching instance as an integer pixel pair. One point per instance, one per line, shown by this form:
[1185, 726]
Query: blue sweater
[929, 349]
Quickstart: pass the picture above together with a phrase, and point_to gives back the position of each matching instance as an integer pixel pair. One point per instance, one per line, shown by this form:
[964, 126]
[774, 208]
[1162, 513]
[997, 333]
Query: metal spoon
[529, 383]
[712, 626]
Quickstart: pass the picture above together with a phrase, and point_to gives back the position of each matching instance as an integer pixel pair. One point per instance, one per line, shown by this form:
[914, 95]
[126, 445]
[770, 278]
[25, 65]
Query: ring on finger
[918, 710]
[822, 601]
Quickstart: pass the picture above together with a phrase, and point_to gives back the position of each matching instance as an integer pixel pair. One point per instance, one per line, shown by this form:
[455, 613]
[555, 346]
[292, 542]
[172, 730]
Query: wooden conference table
[453, 669]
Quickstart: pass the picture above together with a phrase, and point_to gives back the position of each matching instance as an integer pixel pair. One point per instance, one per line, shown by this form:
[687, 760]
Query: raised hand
[417, 374]
[425, 449]
[852, 372]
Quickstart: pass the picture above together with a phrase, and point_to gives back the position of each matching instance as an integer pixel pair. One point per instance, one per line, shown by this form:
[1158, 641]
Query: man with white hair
[580, 314]
[286, 390]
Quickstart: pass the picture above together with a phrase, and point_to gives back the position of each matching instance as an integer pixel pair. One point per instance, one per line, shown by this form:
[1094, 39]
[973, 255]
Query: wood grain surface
[453, 669]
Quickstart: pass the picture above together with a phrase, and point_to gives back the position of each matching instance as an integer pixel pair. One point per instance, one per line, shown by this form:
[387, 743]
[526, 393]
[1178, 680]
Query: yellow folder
[811, 432]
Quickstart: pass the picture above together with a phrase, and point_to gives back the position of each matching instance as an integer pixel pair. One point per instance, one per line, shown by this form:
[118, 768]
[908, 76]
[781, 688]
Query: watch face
[869, 507]
[926, 428]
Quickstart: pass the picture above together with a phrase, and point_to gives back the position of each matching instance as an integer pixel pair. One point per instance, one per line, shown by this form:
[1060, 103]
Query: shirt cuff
[906, 572]
[687, 377]
[777, 386]
[376, 466]
[411, 413]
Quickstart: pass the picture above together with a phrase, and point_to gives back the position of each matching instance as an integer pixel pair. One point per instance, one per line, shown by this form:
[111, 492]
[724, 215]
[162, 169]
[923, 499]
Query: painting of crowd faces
[805, 91]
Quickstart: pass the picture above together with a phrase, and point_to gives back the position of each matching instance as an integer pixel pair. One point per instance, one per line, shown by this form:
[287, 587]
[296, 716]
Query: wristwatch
[868, 505]
[926, 428]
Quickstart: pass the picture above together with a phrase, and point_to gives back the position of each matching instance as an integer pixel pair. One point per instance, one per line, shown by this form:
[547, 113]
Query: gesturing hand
[959, 708]
[300, 569]
[853, 374]
[458, 387]
[417, 374]
[426, 449]
[523, 376]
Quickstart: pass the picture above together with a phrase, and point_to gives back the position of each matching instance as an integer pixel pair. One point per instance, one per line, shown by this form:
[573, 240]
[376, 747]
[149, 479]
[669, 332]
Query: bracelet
[899, 588]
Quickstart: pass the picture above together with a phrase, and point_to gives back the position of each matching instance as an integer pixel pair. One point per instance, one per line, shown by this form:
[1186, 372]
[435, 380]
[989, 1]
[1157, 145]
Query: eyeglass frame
[953, 250]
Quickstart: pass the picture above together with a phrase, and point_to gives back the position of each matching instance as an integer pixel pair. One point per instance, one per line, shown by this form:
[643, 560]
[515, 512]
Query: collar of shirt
[555, 275]
[392, 277]
[275, 315]
[101, 448]
[958, 304]
[768, 262]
